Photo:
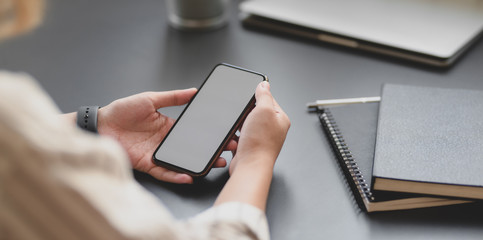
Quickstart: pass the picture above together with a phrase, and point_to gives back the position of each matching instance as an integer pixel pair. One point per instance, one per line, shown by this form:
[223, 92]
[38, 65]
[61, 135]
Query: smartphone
[209, 120]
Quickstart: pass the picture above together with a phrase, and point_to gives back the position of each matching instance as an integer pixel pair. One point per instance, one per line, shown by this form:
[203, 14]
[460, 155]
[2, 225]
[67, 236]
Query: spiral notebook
[351, 131]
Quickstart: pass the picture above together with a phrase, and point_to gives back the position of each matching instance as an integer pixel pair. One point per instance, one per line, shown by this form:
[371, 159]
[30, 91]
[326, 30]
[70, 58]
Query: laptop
[434, 32]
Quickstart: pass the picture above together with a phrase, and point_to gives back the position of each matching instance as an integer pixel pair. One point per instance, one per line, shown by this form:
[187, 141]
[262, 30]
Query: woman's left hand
[137, 125]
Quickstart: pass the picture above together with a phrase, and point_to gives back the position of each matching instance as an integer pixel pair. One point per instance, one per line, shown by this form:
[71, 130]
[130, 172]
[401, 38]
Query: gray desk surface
[93, 52]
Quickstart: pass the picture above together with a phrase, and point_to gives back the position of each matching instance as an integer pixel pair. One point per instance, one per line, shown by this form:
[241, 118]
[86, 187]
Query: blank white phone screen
[208, 119]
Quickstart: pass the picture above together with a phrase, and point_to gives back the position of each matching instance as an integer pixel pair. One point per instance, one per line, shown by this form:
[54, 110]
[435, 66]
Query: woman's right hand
[261, 139]
[263, 132]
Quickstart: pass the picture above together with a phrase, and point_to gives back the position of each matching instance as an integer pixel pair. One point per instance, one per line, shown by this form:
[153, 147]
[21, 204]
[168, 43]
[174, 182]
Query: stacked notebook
[419, 147]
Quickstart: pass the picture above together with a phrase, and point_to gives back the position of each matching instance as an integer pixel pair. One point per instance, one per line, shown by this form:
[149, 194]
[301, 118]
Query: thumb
[172, 98]
[263, 95]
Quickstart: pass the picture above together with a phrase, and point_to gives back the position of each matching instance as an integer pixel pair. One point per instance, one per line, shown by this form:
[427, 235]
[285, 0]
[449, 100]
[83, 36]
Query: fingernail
[264, 84]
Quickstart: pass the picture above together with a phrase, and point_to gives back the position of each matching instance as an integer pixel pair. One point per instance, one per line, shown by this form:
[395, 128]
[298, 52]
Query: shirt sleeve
[59, 182]
[232, 220]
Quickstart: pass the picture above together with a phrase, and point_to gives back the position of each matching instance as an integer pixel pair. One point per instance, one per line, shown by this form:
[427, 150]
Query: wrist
[253, 164]
[101, 121]
[249, 183]
[257, 160]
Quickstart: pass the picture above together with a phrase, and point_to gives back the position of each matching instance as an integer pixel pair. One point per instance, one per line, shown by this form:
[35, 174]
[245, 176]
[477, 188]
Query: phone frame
[250, 105]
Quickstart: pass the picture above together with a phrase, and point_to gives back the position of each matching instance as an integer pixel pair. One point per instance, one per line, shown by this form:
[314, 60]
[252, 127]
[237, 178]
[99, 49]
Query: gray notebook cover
[430, 135]
[351, 130]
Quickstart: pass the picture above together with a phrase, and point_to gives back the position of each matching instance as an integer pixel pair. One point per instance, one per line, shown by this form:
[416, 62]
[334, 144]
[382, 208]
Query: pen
[331, 102]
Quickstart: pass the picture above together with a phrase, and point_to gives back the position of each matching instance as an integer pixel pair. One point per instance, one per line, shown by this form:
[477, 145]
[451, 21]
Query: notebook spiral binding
[346, 159]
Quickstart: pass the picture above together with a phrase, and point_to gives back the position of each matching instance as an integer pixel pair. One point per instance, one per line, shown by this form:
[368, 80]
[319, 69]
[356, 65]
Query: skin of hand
[137, 125]
[261, 139]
